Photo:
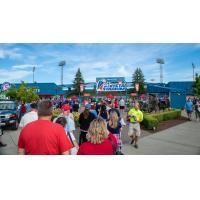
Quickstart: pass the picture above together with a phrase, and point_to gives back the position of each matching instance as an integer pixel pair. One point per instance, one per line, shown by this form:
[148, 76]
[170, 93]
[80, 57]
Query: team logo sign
[102, 85]
[5, 86]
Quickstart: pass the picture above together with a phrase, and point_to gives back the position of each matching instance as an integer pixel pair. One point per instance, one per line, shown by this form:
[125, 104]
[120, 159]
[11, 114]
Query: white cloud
[121, 71]
[93, 65]
[13, 75]
[11, 53]
[25, 66]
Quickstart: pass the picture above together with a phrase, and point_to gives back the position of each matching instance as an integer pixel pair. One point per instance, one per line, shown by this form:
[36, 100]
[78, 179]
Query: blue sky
[97, 60]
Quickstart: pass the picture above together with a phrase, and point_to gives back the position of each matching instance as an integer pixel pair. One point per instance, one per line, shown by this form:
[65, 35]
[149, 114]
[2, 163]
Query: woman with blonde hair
[114, 126]
[100, 142]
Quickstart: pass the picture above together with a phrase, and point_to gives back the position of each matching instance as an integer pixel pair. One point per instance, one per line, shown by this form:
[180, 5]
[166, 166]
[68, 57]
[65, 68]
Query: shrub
[171, 115]
[56, 112]
[150, 122]
[76, 118]
[158, 116]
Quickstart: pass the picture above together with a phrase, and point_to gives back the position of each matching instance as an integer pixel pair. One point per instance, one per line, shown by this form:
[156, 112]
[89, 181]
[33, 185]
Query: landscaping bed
[161, 121]
[166, 124]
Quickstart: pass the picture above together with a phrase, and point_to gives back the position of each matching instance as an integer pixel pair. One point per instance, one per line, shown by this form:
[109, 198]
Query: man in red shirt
[43, 137]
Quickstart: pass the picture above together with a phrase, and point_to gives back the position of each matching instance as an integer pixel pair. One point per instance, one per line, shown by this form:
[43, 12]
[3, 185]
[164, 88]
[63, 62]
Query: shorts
[134, 129]
[121, 107]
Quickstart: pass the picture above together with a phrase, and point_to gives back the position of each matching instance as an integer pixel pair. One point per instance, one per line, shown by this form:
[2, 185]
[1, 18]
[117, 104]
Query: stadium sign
[5, 86]
[110, 84]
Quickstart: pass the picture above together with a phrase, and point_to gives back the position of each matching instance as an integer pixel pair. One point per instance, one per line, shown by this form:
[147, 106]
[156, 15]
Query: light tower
[61, 64]
[161, 62]
[193, 67]
[33, 74]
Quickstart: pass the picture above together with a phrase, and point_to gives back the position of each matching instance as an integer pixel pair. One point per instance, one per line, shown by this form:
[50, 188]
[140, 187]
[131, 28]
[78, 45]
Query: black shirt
[85, 123]
[75, 107]
[114, 130]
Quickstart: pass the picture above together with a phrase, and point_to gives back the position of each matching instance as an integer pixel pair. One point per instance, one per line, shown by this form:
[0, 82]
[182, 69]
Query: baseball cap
[66, 107]
[88, 106]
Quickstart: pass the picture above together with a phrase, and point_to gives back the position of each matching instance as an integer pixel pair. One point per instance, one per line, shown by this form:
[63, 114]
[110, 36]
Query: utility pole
[161, 62]
[61, 64]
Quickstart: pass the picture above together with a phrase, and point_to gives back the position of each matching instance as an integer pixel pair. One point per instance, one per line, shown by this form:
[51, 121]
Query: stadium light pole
[61, 64]
[33, 74]
[193, 67]
[161, 62]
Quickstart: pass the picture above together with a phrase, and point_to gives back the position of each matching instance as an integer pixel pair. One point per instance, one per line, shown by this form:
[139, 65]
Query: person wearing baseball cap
[70, 125]
[66, 107]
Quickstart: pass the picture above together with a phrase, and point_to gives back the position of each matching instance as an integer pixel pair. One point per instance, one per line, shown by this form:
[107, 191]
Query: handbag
[115, 151]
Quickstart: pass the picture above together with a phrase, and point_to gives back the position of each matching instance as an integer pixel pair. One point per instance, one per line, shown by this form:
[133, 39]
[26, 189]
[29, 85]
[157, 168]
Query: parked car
[9, 114]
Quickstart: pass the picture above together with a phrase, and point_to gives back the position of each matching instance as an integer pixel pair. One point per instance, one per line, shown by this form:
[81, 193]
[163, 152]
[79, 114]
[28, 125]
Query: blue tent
[177, 96]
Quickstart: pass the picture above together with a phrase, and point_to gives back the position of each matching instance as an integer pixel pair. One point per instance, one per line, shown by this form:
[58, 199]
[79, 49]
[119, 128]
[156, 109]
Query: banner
[5, 86]
[103, 85]
[137, 87]
[81, 87]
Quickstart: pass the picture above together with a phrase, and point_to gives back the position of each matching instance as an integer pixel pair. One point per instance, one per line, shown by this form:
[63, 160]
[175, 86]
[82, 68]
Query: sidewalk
[183, 139]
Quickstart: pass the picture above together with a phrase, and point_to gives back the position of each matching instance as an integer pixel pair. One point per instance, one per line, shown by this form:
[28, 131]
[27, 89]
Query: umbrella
[73, 97]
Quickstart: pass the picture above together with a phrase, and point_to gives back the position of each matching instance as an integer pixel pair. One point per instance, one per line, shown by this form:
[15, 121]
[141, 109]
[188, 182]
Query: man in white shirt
[30, 116]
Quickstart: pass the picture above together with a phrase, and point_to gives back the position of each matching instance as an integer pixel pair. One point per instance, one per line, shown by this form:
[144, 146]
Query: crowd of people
[101, 124]
[193, 105]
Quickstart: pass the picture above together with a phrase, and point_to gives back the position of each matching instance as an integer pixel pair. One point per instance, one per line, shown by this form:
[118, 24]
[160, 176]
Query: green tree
[77, 81]
[31, 95]
[23, 93]
[138, 77]
[12, 93]
[196, 85]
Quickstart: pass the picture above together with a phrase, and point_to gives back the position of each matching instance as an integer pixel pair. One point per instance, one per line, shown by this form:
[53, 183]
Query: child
[63, 122]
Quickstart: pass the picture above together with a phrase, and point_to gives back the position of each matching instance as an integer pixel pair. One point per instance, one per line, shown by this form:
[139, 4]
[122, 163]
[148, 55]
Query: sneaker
[136, 146]
[2, 144]
[132, 141]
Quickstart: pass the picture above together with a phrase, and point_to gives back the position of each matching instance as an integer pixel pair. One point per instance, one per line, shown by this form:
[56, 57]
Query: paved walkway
[183, 139]
[11, 139]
